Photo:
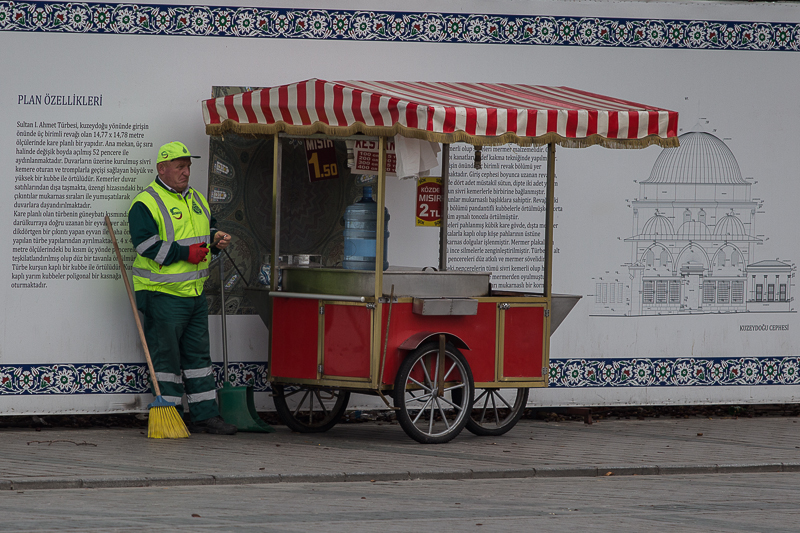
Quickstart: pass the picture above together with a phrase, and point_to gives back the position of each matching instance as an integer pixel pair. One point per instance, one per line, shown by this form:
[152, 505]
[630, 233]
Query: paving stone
[105, 482]
[503, 473]
[441, 474]
[102, 457]
[566, 471]
[245, 479]
[744, 468]
[313, 478]
[45, 483]
[376, 476]
[687, 469]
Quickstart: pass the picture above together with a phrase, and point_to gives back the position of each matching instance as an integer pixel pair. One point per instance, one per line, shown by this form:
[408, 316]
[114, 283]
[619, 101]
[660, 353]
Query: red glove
[197, 253]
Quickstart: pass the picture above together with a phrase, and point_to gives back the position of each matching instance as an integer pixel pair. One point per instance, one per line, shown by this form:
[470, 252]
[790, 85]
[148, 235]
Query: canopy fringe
[268, 130]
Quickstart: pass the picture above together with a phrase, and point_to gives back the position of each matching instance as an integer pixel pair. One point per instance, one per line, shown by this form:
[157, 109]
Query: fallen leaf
[609, 473]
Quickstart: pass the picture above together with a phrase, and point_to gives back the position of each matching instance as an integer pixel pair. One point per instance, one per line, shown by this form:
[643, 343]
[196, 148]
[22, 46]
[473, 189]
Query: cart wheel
[494, 415]
[424, 414]
[307, 410]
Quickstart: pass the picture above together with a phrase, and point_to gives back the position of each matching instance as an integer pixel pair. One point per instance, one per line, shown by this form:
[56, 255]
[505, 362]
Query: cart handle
[312, 296]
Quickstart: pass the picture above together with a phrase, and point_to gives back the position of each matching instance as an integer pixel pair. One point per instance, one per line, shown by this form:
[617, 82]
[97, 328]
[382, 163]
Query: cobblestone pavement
[82, 458]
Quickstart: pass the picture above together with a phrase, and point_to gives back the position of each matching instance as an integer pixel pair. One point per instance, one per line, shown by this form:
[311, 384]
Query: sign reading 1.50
[321, 159]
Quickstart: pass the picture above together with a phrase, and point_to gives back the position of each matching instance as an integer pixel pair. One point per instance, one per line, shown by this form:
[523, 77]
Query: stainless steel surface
[416, 283]
[445, 306]
[560, 307]
[304, 260]
[314, 296]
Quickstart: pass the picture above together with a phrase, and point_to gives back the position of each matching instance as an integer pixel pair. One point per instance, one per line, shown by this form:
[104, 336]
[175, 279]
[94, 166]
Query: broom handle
[133, 306]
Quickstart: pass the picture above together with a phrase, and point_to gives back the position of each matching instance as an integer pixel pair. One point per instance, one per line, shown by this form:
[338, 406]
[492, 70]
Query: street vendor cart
[441, 347]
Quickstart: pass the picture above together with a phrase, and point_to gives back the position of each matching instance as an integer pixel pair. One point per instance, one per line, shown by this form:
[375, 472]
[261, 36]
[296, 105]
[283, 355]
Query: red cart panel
[479, 332]
[348, 330]
[295, 338]
[523, 342]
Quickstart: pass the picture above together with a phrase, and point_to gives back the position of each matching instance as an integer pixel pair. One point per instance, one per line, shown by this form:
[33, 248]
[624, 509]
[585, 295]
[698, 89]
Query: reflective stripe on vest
[169, 227]
[202, 205]
[170, 278]
[142, 248]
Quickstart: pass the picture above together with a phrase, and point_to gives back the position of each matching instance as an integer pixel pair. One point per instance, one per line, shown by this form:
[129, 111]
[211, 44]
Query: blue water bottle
[360, 229]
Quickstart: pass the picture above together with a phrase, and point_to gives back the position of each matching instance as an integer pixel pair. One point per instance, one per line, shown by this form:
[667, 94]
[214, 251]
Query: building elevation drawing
[693, 242]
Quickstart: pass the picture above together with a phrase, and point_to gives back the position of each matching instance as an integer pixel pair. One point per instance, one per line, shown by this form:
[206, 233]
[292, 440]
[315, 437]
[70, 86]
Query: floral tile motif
[132, 378]
[282, 23]
[117, 378]
[674, 372]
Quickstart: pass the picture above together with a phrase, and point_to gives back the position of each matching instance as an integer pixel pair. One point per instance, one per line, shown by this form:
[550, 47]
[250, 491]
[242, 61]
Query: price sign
[366, 157]
[321, 159]
[429, 202]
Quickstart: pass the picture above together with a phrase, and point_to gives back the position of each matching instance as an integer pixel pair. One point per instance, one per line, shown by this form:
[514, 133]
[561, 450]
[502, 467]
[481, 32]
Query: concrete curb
[100, 482]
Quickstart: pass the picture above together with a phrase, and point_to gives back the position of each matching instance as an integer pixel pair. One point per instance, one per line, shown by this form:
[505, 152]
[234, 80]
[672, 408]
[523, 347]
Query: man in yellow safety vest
[170, 226]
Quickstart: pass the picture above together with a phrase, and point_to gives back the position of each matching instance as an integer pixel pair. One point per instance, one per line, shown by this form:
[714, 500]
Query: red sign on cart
[366, 158]
[321, 159]
[429, 201]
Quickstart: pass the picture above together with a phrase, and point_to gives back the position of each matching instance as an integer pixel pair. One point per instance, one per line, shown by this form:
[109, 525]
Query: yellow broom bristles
[166, 423]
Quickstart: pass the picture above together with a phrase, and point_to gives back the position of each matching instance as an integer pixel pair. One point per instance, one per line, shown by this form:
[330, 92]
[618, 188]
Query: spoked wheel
[433, 397]
[493, 413]
[308, 410]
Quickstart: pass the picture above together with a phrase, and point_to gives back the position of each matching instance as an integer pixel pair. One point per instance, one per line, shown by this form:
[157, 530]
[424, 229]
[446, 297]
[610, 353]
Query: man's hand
[221, 240]
[197, 252]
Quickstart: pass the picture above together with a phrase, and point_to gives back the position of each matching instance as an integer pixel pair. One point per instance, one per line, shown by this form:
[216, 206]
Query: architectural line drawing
[693, 242]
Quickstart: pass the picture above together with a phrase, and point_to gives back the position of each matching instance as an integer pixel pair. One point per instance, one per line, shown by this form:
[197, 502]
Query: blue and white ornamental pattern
[132, 378]
[280, 23]
[116, 378]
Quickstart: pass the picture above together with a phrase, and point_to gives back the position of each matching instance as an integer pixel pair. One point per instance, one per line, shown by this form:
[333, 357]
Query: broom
[164, 422]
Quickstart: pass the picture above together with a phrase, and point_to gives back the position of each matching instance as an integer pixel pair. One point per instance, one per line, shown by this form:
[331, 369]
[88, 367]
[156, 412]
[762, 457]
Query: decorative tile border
[132, 378]
[674, 372]
[115, 378]
[280, 23]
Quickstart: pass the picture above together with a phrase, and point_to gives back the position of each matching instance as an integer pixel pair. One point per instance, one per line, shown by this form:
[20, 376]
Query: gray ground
[696, 474]
[704, 502]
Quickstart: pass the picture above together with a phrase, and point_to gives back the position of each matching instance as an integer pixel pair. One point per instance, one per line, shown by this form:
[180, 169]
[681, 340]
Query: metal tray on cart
[407, 282]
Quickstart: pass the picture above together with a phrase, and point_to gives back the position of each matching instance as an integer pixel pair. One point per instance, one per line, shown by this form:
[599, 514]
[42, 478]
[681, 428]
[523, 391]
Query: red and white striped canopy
[477, 113]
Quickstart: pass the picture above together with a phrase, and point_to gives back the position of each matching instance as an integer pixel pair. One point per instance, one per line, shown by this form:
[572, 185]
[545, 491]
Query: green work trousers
[176, 329]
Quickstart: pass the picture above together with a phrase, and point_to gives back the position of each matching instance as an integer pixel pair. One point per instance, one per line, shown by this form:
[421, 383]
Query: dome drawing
[730, 227]
[693, 231]
[694, 245]
[701, 158]
[657, 227]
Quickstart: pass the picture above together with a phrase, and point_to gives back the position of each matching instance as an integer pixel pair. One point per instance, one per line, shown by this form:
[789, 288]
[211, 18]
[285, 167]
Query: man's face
[175, 173]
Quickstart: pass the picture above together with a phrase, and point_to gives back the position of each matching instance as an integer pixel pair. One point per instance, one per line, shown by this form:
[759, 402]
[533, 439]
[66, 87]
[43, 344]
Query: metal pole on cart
[443, 227]
[274, 267]
[548, 266]
[379, 255]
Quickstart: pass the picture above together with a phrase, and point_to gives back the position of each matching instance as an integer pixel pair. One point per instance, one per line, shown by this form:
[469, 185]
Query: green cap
[173, 150]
